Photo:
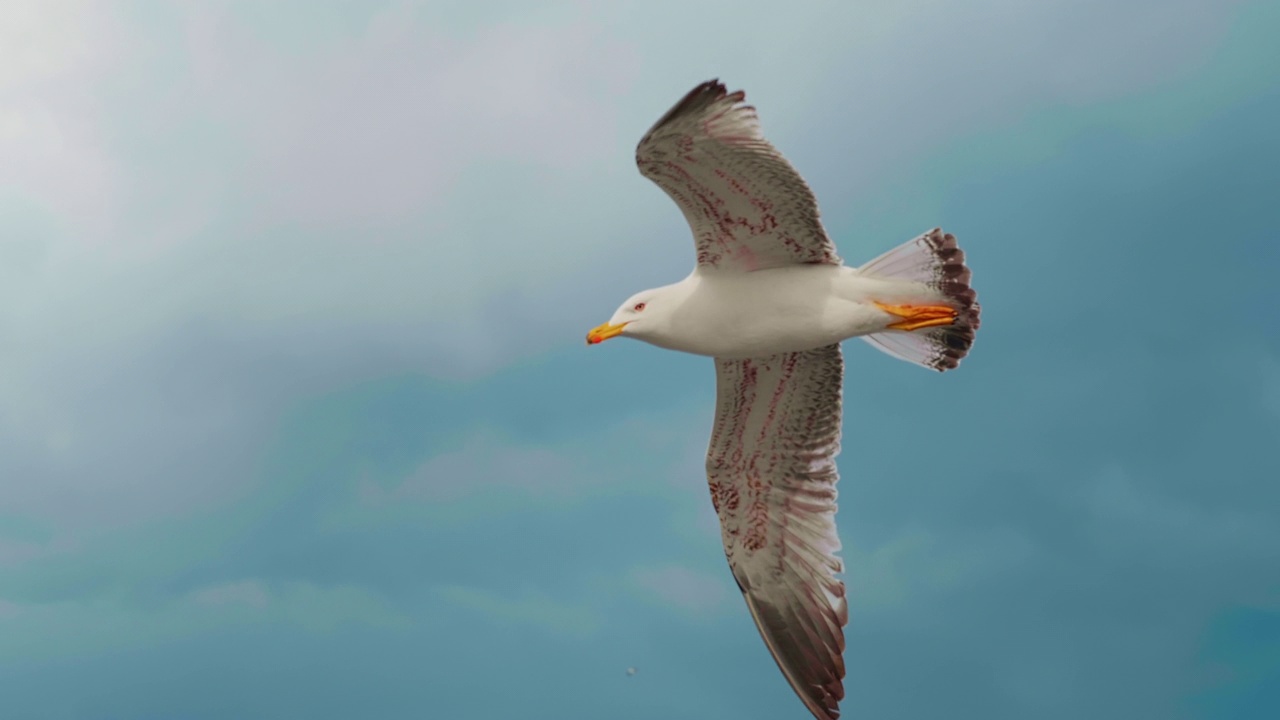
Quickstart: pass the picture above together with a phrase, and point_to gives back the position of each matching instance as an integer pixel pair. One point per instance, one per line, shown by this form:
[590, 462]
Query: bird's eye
[638, 307]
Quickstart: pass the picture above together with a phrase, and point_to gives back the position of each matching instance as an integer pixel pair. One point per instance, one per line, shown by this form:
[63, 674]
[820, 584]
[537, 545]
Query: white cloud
[200, 224]
[54, 58]
[385, 127]
[403, 174]
[212, 217]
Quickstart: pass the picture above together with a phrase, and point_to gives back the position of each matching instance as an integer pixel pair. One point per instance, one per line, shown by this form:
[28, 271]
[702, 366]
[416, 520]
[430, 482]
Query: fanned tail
[935, 261]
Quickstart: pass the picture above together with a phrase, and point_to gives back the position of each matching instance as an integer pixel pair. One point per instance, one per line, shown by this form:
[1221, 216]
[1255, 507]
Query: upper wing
[771, 467]
[747, 207]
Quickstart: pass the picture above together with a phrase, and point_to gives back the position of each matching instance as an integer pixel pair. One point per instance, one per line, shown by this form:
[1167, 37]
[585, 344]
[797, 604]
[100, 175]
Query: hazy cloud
[682, 587]
[529, 606]
[222, 223]
[244, 592]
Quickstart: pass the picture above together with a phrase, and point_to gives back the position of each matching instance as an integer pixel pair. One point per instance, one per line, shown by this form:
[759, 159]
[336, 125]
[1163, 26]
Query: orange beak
[604, 332]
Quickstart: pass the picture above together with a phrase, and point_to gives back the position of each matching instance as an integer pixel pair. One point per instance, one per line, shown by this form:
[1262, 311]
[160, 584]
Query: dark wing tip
[699, 98]
[712, 91]
[811, 663]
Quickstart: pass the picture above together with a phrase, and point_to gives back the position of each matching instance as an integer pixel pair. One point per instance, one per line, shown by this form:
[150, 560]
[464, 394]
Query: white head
[643, 316]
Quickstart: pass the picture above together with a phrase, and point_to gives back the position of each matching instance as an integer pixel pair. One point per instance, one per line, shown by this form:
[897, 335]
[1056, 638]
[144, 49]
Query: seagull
[770, 300]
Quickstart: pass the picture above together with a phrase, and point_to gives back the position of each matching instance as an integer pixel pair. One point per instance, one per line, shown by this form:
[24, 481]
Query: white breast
[791, 309]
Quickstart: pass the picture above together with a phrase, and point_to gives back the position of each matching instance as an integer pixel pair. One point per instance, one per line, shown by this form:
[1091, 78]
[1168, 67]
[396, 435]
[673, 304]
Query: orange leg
[915, 317]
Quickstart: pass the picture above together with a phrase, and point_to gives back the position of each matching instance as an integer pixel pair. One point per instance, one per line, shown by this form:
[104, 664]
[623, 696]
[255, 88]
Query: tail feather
[937, 262]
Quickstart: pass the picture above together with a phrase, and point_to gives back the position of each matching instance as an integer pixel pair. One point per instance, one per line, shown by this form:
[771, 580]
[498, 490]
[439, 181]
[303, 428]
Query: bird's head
[641, 316]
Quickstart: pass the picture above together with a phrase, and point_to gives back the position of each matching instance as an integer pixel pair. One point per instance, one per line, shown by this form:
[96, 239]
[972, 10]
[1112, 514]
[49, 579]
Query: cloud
[283, 187]
[337, 181]
[381, 126]
[121, 620]
[917, 565]
[212, 211]
[244, 592]
[484, 465]
[527, 607]
[52, 150]
[163, 261]
[220, 227]
[490, 471]
[681, 587]
[885, 84]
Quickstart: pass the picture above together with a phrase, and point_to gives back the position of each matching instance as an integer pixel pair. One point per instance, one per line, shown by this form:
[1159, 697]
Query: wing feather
[772, 474]
[747, 206]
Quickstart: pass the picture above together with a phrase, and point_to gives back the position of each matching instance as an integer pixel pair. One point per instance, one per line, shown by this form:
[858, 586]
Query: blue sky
[296, 419]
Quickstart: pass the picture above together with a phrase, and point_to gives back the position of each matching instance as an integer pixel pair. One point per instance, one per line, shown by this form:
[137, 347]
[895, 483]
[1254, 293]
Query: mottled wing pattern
[772, 472]
[747, 206]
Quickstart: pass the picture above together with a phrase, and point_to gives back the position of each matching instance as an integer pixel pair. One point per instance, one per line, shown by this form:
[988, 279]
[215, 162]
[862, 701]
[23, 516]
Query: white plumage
[770, 299]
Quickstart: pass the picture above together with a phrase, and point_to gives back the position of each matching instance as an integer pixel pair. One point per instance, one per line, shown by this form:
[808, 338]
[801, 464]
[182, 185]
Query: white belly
[736, 315]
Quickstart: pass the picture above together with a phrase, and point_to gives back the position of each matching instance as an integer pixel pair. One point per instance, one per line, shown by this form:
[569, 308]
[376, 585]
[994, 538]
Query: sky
[296, 419]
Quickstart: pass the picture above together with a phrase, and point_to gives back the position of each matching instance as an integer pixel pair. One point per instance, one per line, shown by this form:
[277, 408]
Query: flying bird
[770, 300]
